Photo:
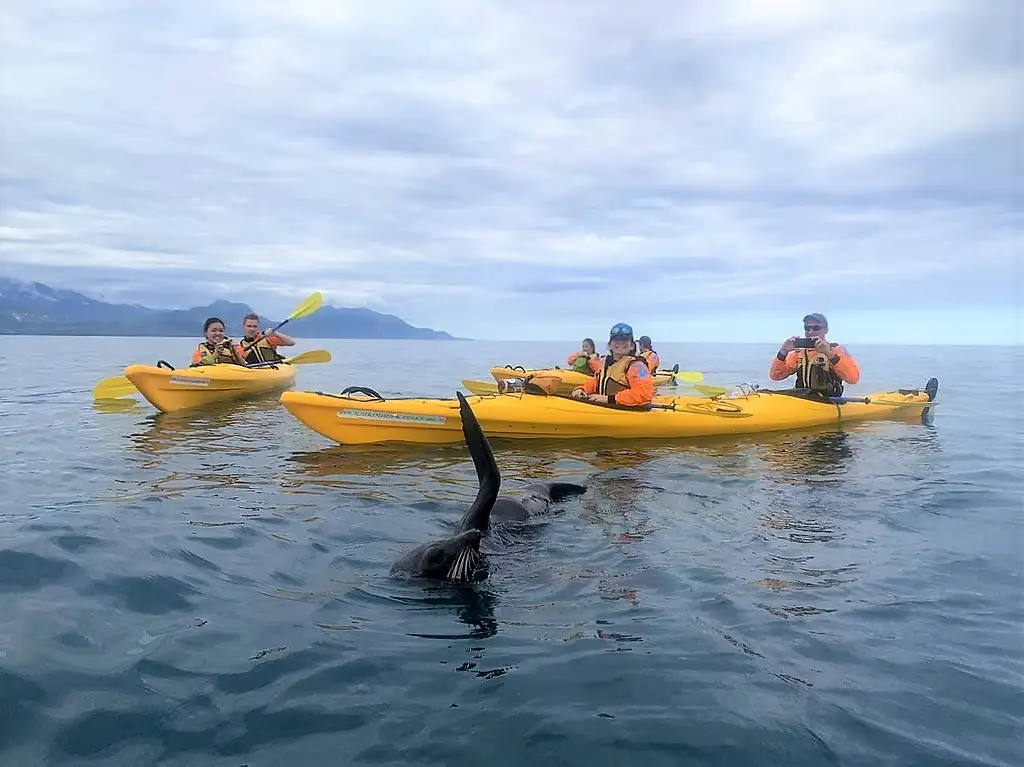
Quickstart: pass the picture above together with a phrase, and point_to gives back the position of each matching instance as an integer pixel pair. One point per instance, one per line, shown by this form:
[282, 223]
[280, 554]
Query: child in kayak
[586, 359]
[623, 378]
[216, 349]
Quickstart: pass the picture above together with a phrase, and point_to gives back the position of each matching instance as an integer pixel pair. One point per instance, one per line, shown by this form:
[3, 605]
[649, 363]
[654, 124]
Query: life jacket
[612, 377]
[814, 372]
[582, 362]
[261, 351]
[225, 356]
[647, 356]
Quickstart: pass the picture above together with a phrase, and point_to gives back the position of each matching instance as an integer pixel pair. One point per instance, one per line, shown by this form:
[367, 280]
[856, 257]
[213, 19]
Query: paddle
[690, 376]
[313, 302]
[113, 387]
[312, 357]
[119, 386]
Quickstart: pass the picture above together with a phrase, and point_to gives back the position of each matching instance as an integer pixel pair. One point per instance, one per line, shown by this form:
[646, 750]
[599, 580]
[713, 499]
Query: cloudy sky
[506, 170]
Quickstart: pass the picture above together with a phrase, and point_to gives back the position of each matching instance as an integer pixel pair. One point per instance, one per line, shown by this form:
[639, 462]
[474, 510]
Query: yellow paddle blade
[479, 387]
[311, 357]
[307, 307]
[113, 387]
[711, 391]
[690, 376]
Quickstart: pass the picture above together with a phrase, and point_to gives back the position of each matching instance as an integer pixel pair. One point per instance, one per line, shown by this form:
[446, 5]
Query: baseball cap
[620, 330]
[644, 341]
[818, 318]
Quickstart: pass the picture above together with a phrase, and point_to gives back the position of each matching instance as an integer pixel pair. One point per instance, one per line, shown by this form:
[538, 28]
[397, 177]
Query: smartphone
[805, 343]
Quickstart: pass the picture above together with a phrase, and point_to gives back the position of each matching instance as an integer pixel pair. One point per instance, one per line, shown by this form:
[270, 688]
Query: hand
[788, 345]
[600, 399]
[267, 333]
[823, 347]
[578, 393]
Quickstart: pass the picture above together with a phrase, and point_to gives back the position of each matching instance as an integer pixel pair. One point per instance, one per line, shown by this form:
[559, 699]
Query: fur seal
[457, 558]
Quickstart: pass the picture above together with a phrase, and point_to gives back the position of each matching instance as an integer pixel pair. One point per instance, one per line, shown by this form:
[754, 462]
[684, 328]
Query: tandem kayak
[359, 415]
[169, 390]
[570, 378]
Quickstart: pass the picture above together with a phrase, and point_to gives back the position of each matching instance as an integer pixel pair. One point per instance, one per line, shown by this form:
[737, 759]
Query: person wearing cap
[586, 360]
[648, 353]
[824, 368]
[624, 378]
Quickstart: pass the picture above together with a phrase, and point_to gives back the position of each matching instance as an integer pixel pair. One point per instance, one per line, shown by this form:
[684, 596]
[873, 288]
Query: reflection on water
[473, 605]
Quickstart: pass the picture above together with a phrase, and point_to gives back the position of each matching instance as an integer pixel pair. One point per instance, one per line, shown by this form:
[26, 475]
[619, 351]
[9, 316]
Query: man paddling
[261, 347]
[820, 365]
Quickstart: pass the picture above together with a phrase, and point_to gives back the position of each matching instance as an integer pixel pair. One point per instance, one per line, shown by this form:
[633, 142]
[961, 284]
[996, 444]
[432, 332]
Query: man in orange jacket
[820, 365]
[624, 378]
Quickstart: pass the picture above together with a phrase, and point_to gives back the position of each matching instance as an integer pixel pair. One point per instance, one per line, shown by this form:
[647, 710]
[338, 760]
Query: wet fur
[457, 558]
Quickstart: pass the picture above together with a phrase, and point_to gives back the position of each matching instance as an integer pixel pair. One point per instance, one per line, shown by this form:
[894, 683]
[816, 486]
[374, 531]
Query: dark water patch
[150, 595]
[26, 572]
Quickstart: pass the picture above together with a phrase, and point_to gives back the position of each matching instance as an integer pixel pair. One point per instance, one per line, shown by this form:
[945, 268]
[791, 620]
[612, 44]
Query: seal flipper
[487, 473]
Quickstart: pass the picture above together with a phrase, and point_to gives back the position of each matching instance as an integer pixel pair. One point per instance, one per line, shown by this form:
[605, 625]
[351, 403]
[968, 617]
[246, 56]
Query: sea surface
[214, 589]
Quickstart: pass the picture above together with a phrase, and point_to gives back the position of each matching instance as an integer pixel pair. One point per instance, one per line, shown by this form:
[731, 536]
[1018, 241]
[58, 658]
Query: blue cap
[621, 330]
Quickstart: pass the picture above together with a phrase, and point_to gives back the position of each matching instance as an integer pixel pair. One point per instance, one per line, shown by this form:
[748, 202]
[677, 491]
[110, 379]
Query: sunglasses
[813, 328]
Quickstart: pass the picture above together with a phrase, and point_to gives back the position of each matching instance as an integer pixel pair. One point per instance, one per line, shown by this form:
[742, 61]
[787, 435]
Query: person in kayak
[260, 347]
[586, 360]
[823, 368]
[216, 349]
[623, 378]
[648, 353]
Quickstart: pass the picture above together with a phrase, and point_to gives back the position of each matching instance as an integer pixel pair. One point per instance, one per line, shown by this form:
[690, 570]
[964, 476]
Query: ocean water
[213, 589]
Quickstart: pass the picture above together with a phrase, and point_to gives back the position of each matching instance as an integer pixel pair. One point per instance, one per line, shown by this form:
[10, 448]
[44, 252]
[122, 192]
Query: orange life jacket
[612, 377]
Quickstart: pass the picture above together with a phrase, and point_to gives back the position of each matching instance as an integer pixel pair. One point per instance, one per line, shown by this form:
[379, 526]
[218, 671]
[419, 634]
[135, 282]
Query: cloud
[519, 169]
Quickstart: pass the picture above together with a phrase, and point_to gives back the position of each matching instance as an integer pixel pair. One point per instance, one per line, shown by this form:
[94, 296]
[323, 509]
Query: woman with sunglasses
[820, 365]
[623, 378]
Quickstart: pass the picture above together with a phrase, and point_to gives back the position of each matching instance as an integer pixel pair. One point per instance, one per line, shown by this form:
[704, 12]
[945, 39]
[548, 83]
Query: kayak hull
[358, 419]
[173, 390]
[570, 378]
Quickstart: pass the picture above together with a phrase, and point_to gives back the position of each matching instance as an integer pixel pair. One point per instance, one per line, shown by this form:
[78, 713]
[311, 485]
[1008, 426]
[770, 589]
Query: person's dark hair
[210, 321]
[591, 342]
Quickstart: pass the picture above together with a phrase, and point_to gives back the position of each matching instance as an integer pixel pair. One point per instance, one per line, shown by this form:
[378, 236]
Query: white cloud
[458, 164]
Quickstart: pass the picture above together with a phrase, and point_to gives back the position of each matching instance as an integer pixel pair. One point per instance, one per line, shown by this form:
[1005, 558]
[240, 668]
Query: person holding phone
[820, 365]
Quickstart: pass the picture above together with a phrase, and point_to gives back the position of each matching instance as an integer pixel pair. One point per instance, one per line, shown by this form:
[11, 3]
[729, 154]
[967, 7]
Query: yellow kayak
[570, 378]
[360, 416]
[169, 390]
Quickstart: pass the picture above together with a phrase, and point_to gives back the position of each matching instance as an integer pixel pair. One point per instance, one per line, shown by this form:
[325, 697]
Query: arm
[594, 362]
[276, 338]
[782, 369]
[197, 356]
[588, 387]
[641, 387]
[844, 365]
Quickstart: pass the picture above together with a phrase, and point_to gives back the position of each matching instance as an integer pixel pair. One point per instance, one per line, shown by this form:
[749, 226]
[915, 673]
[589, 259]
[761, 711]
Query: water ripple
[215, 589]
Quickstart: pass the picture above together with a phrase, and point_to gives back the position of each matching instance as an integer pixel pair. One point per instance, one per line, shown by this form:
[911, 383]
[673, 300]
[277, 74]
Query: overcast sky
[506, 170]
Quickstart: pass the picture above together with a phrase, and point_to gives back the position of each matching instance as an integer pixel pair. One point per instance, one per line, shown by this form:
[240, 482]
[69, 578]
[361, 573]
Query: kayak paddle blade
[307, 307]
[312, 357]
[113, 387]
[690, 376]
[711, 391]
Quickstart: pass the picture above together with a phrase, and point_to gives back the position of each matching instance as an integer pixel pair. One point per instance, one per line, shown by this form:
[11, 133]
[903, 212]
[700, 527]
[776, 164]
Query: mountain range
[32, 308]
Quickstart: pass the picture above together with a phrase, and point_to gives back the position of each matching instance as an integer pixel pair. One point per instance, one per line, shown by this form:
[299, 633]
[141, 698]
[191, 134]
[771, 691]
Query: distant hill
[31, 308]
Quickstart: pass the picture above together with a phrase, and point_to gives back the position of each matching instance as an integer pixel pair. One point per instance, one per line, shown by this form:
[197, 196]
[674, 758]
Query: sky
[703, 170]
